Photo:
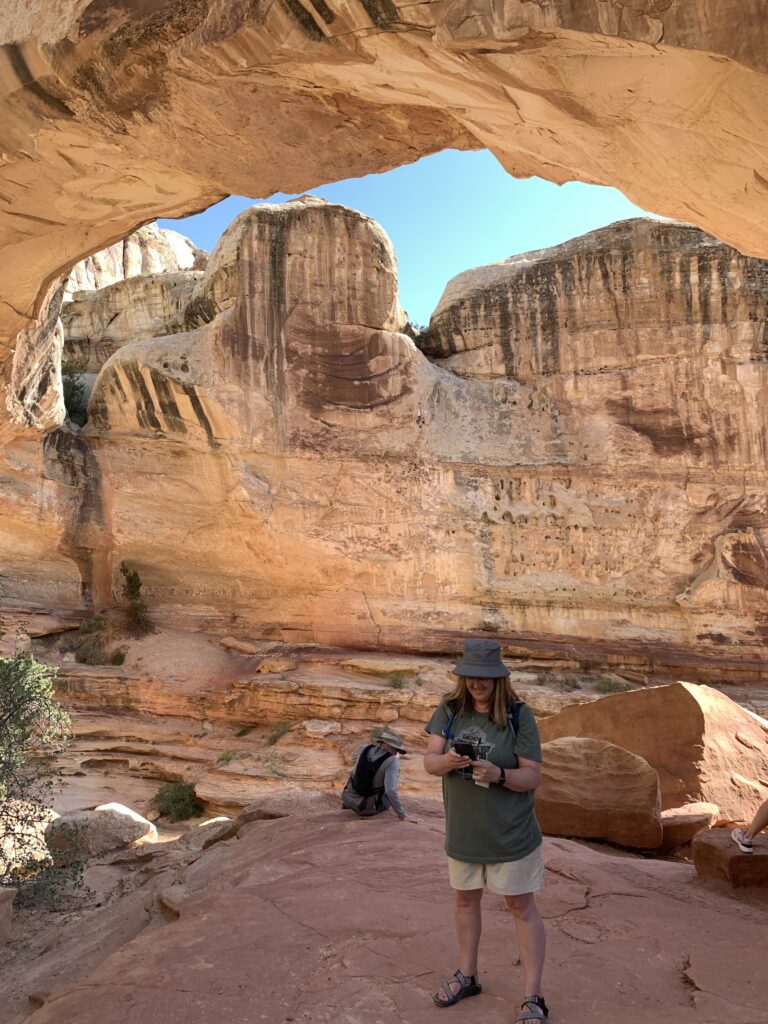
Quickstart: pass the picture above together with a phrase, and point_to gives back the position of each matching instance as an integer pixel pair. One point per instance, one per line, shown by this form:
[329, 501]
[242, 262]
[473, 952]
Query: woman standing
[492, 838]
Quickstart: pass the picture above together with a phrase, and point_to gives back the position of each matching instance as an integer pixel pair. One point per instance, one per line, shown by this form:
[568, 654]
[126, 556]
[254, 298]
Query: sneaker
[739, 836]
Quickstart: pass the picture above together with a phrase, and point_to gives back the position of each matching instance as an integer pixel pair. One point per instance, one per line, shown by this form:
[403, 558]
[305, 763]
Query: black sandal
[536, 1010]
[468, 987]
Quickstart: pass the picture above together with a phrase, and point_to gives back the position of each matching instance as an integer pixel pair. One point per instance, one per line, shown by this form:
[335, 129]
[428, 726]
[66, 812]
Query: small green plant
[73, 387]
[226, 756]
[88, 643]
[397, 680]
[278, 731]
[565, 681]
[34, 731]
[612, 684]
[177, 801]
[244, 731]
[138, 622]
[117, 657]
[272, 762]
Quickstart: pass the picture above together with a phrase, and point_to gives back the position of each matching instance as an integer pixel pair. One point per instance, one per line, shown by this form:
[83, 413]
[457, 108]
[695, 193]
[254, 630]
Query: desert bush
[177, 800]
[397, 680]
[565, 681]
[138, 623]
[88, 642]
[244, 731]
[612, 684]
[117, 657]
[278, 731]
[226, 756]
[34, 730]
[73, 387]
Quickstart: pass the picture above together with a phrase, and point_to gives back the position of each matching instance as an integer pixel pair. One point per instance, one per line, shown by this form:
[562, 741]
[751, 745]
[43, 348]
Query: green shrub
[93, 624]
[244, 731]
[34, 731]
[278, 731]
[88, 643]
[117, 657]
[397, 680]
[612, 684]
[226, 756]
[565, 681]
[177, 801]
[137, 620]
[73, 387]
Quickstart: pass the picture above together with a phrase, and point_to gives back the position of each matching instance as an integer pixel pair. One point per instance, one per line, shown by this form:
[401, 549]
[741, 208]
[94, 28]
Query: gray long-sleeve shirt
[388, 776]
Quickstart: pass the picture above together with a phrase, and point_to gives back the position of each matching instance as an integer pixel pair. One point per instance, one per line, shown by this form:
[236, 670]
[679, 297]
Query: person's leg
[759, 822]
[468, 921]
[531, 939]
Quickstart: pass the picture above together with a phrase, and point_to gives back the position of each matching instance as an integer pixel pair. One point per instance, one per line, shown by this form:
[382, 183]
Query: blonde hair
[502, 700]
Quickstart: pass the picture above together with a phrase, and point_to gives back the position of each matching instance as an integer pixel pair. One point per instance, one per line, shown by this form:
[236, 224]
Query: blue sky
[447, 213]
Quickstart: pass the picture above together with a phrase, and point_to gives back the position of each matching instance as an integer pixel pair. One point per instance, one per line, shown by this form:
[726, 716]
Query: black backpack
[363, 775]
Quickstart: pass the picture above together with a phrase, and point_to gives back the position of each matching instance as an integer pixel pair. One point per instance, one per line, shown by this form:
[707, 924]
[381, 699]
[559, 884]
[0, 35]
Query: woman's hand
[485, 771]
[438, 762]
[455, 760]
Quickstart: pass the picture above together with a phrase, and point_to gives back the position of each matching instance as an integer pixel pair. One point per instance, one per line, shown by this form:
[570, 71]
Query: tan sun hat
[394, 739]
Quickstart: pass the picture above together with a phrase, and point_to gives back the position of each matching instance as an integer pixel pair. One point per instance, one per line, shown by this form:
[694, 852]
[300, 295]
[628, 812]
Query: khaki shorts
[509, 878]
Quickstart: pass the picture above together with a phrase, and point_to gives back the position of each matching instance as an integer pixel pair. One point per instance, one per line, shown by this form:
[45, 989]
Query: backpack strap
[513, 717]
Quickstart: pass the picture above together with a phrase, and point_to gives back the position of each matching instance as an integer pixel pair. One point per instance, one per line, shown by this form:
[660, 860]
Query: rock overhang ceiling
[116, 112]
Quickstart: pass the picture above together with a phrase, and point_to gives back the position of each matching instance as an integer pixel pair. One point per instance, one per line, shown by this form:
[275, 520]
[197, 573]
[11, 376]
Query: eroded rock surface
[93, 148]
[592, 789]
[343, 912]
[715, 855]
[703, 745]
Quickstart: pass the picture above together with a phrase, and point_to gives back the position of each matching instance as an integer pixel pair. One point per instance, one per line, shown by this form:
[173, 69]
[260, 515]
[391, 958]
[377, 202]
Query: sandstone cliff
[150, 250]
[282, 454]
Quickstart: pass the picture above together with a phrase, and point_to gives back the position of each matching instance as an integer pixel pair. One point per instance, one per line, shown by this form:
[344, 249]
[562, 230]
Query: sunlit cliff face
[565, 459]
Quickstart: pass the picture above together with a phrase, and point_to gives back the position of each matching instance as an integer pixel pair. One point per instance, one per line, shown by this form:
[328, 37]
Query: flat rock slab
[715, 855]
[321, 918]
[681, 824]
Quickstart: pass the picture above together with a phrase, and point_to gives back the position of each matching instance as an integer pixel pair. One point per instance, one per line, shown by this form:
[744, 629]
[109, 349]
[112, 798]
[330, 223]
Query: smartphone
[465, 749]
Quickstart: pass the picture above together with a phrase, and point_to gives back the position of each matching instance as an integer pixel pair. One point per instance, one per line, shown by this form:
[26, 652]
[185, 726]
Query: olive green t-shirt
[488, 826]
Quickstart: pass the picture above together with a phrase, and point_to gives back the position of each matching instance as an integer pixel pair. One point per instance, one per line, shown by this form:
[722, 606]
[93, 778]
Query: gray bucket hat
[482, 660]
[394, 739]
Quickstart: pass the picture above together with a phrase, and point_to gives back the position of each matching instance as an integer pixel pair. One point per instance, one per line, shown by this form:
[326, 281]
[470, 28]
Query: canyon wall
[115, 113]
[581, 459]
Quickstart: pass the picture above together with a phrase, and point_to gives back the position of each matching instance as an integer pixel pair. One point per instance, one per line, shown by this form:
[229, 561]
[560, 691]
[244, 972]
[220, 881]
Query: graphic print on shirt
[477, 737]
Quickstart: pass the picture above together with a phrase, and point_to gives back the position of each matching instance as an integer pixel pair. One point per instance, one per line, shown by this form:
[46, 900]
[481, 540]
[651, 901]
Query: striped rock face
[576, 461]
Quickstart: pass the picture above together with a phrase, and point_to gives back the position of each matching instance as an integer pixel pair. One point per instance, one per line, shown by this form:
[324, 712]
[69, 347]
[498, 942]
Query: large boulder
[702, 744]
[715, 855]
[595, 790]
[83, 834]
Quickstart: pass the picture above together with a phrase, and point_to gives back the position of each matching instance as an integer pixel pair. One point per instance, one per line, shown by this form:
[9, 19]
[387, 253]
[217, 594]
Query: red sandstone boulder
[596, 790]
[703, 745]
[91, 833]
[715, 855]
[681, 824]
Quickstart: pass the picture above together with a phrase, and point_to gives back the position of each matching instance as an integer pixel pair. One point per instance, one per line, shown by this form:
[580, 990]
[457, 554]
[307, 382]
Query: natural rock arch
[663, 99]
